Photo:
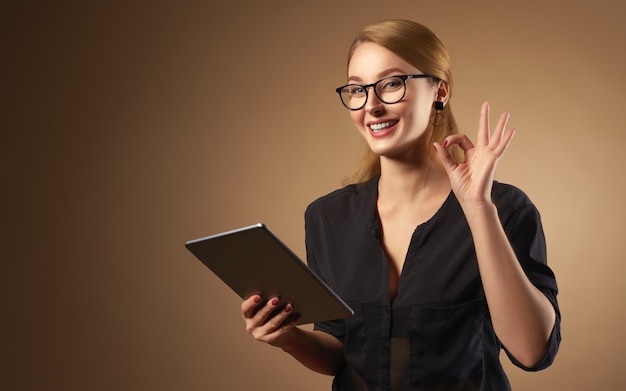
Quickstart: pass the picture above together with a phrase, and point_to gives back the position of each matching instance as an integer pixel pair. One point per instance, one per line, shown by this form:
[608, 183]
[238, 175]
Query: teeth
[381, 126]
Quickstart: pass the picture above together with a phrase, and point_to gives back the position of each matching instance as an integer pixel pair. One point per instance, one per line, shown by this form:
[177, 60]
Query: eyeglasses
[388, 90]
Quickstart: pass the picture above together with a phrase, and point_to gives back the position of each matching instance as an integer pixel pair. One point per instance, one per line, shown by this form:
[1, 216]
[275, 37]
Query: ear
[443, 92]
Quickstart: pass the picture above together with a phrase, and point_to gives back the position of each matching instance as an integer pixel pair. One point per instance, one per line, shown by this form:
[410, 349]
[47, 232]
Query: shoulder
[511, 201]
[509, 195]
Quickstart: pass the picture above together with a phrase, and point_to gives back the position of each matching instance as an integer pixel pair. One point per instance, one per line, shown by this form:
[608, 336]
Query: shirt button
[387, 310]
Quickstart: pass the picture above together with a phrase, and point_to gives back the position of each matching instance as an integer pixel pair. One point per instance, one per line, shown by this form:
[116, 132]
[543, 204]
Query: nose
[373, 105]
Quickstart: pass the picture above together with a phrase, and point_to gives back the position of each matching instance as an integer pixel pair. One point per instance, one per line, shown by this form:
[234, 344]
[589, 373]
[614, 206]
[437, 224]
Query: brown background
[128, 129]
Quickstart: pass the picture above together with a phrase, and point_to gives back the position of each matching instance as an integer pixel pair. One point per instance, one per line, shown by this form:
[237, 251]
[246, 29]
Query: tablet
[252, 260]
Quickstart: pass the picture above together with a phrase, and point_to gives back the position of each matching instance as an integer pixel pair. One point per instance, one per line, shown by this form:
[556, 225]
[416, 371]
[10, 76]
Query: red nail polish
[257, 299]
[444, 143]
[275, 301]
[288, 308]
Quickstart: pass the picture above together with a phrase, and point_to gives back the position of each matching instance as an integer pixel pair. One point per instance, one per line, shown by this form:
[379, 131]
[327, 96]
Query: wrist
[290, 339]
[478, 209]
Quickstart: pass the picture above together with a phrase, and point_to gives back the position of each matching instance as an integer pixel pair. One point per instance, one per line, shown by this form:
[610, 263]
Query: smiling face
[392, 130]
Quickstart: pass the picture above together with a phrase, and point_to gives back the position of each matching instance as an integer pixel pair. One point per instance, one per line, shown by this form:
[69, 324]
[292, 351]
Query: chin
[391, 151]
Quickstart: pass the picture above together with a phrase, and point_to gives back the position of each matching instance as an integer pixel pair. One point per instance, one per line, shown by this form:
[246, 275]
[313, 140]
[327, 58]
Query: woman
[442, 265]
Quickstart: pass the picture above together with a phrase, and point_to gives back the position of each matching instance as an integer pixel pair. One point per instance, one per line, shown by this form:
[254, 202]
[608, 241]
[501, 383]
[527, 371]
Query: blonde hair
[420, 47]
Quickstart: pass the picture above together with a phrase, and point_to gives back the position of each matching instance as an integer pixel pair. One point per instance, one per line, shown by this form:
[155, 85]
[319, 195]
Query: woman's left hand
[472, 178]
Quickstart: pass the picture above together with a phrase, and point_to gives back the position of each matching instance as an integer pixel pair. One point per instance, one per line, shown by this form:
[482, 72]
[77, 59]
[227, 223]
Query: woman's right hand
[264, 324]
[275, 325]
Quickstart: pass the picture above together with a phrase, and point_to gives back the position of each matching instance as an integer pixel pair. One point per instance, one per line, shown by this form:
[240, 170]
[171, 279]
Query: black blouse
[437, 333]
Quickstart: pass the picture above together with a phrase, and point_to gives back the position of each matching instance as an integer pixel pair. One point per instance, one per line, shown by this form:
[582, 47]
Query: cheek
[422, 110]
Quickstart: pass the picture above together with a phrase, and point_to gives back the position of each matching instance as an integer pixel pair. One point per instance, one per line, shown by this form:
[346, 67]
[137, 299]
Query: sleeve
[313, 239]
[525, 233]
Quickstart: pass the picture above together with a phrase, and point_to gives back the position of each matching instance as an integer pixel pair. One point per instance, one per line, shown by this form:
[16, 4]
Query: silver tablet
[252, 260]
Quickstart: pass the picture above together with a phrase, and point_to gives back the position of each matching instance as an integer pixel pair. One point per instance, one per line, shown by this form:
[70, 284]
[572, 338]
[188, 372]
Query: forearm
[522, 316]
[317, 350]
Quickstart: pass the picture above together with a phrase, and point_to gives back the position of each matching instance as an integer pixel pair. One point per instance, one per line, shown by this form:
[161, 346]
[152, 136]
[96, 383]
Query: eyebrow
[381, 75]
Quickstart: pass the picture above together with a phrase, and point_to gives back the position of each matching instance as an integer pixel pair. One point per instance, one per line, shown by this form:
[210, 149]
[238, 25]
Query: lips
[380, 129]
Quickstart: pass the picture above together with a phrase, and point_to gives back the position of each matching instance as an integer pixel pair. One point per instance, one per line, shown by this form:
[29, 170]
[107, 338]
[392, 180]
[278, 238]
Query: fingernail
[288, 308]
[257, 299]
[275, 301]
[444, 143]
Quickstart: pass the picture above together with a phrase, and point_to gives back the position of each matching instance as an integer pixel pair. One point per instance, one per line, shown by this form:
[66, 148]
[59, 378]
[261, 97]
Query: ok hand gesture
[472, 178]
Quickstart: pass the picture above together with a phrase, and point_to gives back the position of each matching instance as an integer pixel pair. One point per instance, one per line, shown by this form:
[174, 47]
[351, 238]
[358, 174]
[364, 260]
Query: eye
[391, 84]
[355, 89]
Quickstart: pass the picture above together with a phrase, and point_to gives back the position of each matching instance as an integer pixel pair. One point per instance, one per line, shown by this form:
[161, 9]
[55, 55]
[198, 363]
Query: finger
[504, 143]
[459, 139]
[499, 130]
[277, 321]
[250, 305]
[446, 159]
[483, 125]
[256, 319]
[264, 312]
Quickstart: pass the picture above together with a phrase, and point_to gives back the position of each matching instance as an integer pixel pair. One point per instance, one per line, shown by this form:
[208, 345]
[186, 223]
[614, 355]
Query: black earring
[438, 119]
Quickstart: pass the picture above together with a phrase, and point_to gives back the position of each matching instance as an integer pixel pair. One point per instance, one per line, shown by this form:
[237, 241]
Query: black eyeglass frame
[366, 88]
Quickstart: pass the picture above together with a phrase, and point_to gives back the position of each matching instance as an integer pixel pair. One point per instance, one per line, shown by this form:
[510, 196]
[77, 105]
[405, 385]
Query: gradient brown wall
[129, 129]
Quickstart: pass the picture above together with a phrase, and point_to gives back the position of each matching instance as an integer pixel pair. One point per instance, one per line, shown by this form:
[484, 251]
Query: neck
[404, 181]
